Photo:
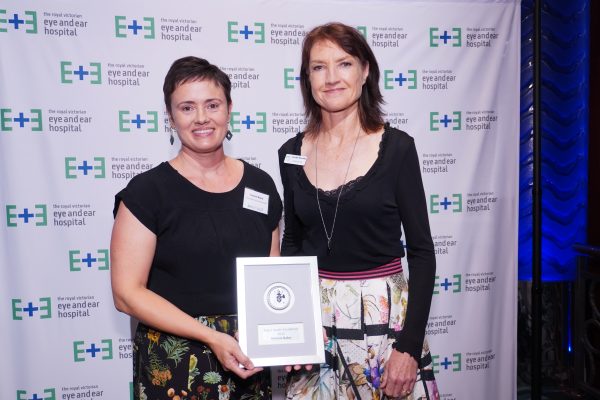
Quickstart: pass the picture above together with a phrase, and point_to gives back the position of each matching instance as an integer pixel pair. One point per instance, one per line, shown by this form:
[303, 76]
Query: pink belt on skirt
[391, 268]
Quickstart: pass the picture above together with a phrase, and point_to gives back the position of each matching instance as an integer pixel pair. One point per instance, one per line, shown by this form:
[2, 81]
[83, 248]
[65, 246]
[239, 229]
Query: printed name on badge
[294, 159]
[256, 201]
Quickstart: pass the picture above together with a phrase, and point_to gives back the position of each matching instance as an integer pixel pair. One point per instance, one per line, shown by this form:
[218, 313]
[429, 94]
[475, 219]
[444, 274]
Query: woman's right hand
[231, 357]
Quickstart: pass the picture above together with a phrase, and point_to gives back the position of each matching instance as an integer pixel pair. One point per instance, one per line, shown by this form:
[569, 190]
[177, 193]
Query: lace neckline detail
[348, 186]
[351, 187]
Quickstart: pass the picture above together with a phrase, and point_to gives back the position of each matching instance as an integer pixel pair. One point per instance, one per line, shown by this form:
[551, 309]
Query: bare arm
[132, 250]
[275, 243]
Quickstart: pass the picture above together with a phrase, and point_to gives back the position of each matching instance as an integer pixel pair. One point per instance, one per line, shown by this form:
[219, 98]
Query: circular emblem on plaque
[279, 297]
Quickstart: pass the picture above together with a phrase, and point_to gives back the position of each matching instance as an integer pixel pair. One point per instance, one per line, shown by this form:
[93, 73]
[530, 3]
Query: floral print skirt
[166, 366]
[360, 317]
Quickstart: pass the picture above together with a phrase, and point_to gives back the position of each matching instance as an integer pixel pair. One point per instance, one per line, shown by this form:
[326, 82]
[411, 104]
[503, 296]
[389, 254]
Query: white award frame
[279, 310]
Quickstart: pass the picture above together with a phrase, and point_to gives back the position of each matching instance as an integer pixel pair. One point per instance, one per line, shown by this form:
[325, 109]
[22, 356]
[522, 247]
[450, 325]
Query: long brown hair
[352, 42]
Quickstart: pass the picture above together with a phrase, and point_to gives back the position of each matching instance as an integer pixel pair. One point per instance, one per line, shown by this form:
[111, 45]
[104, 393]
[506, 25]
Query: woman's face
[200, 114]
[336, 77]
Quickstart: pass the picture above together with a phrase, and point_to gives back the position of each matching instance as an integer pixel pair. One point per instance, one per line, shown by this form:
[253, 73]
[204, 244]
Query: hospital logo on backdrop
[93, 168]
[46, 394]
[88, 392]
[142, 28]
[287, 122]
[452, 203]
[21, 119]
[394, 79]
[90, 73]
[481, 121]
[437, 163]
[88, 260]
[86, 351]
[242, 77]
[362, 29]
[397, 119]
[440, 325]
[387, 37]
[67, 24]
[174, 29]
[74, 307]
[479, 360]
[125, 348]
[72, 215]
[40, 309]
[445, 121]
[443, 244]
[242, 32]
[447, 363]
[138, 122]
[126, 74]
[68, 120]
[452, 284]
[287, 34]
[126, 167]
[36, 215]
[437, 79]
[480, 282]
[248, 123]
[481, 37]
[445, 37]
[291, 78]
[481, 202]
[25, 21]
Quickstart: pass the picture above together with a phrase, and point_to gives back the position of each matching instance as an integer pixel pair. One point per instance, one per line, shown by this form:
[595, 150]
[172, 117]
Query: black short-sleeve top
[200, 234]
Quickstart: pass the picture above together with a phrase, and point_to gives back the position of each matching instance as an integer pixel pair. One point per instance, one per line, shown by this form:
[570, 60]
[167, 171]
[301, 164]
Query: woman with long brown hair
[351, 183]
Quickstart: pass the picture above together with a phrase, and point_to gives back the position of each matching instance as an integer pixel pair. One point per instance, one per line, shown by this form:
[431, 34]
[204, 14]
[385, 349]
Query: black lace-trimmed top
[371, 212]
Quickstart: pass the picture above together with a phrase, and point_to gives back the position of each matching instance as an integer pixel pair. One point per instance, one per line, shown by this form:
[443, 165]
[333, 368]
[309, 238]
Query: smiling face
[336, 77]
[200, 113]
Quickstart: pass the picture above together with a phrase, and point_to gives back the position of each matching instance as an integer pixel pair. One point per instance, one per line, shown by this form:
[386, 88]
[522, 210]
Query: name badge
[294, 159]
[256, 201]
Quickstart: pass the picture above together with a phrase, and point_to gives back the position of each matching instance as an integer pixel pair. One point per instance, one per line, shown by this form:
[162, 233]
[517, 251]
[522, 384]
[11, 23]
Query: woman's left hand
[400, 375]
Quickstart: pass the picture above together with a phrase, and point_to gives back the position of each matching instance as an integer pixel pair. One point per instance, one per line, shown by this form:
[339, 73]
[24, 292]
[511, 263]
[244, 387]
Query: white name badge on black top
[256, 201]
[294, 159]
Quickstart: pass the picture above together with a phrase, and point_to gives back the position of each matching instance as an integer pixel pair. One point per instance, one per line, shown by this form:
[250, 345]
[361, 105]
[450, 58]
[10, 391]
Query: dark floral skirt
[166, 366]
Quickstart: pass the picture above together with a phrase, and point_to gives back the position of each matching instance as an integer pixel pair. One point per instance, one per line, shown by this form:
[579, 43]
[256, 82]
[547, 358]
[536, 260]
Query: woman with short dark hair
[178, 229]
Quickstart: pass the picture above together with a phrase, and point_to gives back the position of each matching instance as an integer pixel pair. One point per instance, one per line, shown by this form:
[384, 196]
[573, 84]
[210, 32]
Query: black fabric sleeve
[141, 200]
[291, 241]
[412, 204]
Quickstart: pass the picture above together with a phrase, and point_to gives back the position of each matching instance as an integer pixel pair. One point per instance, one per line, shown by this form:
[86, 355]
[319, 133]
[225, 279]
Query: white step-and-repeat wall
[81, 112]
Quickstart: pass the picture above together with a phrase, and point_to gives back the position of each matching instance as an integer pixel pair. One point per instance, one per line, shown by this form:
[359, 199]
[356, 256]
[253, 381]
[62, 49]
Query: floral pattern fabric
[360, 318]
[166, 366]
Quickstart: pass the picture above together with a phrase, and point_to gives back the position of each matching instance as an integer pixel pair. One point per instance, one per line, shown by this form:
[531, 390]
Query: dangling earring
[171, 137]
[228, 135]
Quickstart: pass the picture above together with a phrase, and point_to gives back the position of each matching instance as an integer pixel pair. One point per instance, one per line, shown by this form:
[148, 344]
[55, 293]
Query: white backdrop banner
[81, 113]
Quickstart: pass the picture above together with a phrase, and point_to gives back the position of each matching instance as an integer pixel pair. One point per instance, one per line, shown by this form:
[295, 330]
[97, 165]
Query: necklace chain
[329, 236]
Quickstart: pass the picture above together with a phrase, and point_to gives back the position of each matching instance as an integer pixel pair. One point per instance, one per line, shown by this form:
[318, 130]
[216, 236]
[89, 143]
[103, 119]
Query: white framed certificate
[279, 311]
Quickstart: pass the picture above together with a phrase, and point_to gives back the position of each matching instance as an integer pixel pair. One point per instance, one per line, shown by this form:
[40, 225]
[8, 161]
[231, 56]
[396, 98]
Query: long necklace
[328, 235]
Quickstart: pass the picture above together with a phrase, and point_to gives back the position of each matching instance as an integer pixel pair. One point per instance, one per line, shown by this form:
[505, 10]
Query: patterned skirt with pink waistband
[361, 312]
